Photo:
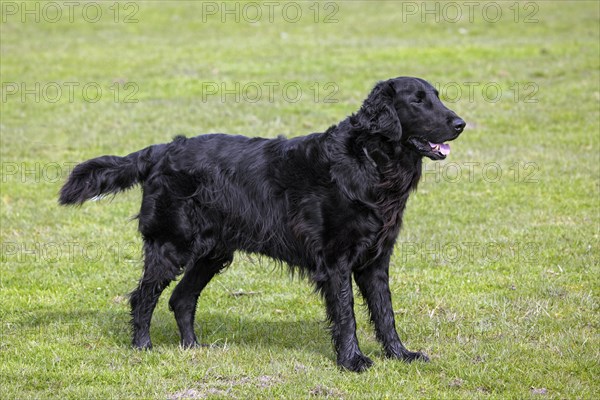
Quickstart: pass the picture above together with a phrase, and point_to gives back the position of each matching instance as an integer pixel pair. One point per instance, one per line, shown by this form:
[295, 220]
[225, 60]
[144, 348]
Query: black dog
[328, 203]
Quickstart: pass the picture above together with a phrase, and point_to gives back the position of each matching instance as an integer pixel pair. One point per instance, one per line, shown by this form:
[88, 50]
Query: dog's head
[409, 110]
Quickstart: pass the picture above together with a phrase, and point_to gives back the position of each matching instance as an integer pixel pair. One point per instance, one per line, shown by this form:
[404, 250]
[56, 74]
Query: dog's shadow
[214, 329]
[219, 329]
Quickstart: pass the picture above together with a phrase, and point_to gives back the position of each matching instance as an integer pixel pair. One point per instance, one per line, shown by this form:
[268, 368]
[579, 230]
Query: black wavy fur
[328, 204]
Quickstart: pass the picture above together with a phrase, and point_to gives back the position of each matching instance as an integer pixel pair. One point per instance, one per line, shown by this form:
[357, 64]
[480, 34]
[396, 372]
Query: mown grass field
[496, 274]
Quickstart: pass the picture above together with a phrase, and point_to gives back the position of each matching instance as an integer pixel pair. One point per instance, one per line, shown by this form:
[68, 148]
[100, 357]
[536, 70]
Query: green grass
[496, 278]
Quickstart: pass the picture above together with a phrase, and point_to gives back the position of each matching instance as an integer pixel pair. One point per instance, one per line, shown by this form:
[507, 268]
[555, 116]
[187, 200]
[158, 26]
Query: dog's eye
[418, 97]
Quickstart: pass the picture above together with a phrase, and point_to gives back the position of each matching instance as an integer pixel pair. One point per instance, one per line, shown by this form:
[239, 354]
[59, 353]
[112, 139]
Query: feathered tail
[108, 175]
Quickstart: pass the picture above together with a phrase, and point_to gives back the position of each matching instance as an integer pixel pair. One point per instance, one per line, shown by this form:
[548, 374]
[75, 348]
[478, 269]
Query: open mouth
[435, 151]
[442, 148]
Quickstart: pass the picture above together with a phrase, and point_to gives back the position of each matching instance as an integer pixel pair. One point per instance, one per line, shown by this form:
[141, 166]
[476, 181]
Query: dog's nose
[459, 125]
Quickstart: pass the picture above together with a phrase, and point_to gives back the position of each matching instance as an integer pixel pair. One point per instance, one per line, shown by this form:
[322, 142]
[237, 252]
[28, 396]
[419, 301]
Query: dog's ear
[378, 114]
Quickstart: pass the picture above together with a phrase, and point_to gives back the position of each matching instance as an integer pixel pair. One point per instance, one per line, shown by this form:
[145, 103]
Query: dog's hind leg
[161, 266]
[185, 296]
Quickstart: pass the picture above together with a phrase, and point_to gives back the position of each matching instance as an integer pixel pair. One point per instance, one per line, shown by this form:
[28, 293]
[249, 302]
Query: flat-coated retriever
[329, 204]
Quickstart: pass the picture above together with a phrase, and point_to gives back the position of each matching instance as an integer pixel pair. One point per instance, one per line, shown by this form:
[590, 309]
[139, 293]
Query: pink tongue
[443, 147]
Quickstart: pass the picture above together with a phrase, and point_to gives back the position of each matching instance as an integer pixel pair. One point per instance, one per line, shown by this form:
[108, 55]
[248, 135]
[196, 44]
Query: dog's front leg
[337, 291]
[373, 282]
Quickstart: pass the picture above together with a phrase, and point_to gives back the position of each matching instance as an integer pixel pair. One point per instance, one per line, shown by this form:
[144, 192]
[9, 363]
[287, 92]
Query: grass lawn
[496, 273]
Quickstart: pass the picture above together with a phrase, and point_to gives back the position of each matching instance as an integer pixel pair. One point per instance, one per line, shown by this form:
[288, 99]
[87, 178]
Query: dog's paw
[142, 344]
[410, 356]
[189, 345]
[190, 342]
[358, 362]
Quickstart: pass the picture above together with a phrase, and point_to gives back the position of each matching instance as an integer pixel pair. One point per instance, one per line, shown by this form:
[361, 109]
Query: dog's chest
[393, 194]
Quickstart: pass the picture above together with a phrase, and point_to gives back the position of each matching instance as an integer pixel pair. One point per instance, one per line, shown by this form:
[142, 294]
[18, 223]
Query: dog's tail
[109, 175]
